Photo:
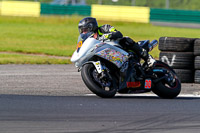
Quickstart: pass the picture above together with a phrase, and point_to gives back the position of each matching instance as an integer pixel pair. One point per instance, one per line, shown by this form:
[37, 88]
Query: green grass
[29, 59]
[53, 36]
[58, 35]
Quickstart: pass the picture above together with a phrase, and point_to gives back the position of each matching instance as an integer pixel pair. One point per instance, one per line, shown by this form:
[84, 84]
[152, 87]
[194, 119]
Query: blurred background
[46, 31]
[172, 4]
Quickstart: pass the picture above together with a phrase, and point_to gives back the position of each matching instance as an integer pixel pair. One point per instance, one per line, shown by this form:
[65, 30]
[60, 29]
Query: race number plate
[79, 45]
[147, 84]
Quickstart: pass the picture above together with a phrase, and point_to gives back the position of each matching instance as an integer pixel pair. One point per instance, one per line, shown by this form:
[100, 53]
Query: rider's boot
[147, 57]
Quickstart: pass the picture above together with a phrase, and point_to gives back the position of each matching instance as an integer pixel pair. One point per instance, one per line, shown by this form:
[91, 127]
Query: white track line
[149, 95]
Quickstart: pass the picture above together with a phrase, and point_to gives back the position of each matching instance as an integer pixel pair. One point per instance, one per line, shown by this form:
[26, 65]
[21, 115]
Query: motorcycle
[107, 69]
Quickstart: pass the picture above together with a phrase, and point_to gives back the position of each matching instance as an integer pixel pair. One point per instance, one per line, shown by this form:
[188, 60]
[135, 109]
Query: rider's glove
[150, 61]
[105, 37]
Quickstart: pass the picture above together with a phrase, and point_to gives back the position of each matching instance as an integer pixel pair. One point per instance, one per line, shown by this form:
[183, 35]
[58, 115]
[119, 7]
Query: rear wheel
[171, 86]
[102, 86]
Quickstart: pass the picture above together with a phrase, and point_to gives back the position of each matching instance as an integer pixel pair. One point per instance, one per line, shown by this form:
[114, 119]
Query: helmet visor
[84, 30]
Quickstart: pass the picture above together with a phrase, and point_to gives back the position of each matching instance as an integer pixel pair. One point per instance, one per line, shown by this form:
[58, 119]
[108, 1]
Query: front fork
[103, 73]
[98, 66]
[102, 70]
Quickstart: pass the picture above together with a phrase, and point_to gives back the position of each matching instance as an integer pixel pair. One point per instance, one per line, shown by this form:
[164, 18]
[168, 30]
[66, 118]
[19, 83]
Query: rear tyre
[98, 87]
[164, 89]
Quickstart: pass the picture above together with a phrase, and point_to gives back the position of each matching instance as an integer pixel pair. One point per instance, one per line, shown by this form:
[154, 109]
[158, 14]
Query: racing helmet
[87, 24]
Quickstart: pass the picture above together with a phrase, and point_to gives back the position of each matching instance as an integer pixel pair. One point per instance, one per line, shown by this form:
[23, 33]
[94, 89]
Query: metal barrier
[20, 8]
[170, 15]
[121, 13]
[101, 12]
[48, 9]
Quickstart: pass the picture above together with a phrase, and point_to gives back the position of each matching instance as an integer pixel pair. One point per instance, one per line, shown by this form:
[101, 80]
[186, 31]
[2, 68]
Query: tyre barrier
[197, 47]
[178, 53]
[197, 60]
[178, 60]
[176, 44]
[197, 76]
[185, 75]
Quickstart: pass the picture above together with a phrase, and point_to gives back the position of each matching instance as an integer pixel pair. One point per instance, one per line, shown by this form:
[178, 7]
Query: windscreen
[81, 39]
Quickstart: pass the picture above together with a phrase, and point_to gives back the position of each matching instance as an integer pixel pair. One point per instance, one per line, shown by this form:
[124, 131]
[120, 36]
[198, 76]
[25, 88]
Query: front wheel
[102, 87]
[166, 89]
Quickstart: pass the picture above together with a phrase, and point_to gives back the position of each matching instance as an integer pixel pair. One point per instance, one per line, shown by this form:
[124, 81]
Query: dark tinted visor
[84, 30]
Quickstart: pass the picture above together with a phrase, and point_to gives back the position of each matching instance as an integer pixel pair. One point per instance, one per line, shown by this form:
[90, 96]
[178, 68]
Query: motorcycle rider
[90, 25]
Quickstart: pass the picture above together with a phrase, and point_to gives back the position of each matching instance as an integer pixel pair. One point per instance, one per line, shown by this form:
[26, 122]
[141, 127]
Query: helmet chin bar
[86, 35]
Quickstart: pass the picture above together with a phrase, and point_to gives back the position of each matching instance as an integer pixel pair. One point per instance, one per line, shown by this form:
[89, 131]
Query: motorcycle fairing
[83, 52]
[113, 54]
[107, 50]
[79, 45]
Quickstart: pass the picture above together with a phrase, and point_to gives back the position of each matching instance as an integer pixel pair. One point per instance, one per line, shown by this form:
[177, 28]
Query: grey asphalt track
[53, 99]
[175, 24]
[90, 114]
[52, 80]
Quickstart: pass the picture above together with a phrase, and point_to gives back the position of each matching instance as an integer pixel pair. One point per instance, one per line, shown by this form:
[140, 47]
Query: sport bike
[107, 69]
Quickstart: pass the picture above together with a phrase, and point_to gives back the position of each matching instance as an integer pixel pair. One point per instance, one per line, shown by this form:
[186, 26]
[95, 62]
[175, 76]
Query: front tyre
[104, 88]
[165, 89]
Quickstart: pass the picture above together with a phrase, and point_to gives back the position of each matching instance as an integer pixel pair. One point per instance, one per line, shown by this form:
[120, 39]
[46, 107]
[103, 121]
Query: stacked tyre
[177, 52]
[197, 60]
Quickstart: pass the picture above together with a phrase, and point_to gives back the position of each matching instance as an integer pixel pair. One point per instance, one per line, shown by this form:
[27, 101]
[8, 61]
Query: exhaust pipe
[152, 45]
